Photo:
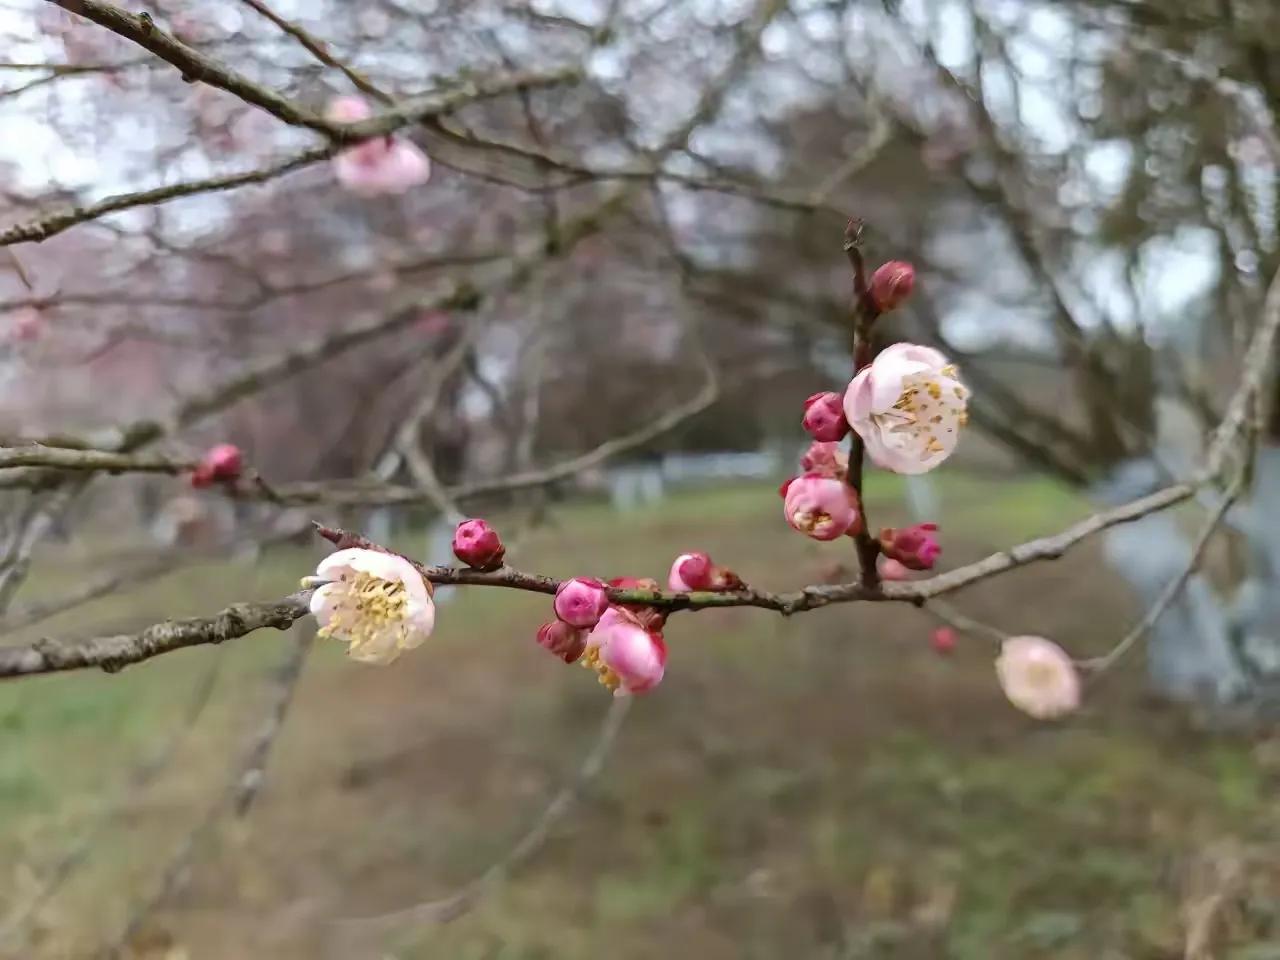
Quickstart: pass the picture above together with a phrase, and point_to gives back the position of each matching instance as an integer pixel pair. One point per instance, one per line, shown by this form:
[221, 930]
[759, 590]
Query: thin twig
[1099, 665]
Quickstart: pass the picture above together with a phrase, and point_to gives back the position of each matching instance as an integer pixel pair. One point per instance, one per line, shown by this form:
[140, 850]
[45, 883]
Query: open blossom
[384, 165]
[580, 601]
[820, 507]
[376, 602]
[908, 406]
[627, 657]
[916, 547]
[825, 459]
[565, 641]
[824, 417]
[1038, 677]
[478, 545]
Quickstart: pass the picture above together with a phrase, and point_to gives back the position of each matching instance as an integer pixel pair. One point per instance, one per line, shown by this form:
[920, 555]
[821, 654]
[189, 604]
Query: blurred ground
[825, 787]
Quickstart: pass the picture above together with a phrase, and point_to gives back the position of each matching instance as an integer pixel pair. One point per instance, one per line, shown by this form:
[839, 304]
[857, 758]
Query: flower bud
[915, 547]
[943, 640]
[478, 545]
[892, 570]
[691, 571]
[565, 641]
[224, 461]
[824, 417]
[820, 507]
[892, 283]
[581, 601]
[202, 476]
[825, 459]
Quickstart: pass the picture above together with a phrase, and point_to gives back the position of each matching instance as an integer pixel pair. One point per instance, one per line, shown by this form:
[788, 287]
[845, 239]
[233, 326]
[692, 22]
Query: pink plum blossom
[580, 601]
[383, 165]
[628, 657]
[916, 547]
[820, 507]
[824, 417]
[1038, 677]
[378, 603]
[908, 406]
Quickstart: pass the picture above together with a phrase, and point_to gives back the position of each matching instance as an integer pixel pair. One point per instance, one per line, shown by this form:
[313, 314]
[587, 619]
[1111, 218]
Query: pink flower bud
[202, 476]
[892, 570]
[892, 283]
[915, 547]
[824, 417]
[825, 459]
[943, 640]
[722, 578]
[691, 571]
[820, 507]
[224, 461]
[628, 657]
[478, 545]
[565, 641]
[581, 601]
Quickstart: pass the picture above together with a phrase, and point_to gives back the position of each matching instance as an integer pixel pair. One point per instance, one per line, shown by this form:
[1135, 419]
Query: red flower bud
[824, 417]
[202, 476]
[785, 486]
[915, 547]
[943, 640]
[892, 283]
[224, 461]
[478, 545]
[565, 641]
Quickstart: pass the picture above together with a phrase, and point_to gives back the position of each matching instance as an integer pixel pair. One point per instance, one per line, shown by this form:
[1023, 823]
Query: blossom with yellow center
[376, 602]
[908, 406]
[1038, 677]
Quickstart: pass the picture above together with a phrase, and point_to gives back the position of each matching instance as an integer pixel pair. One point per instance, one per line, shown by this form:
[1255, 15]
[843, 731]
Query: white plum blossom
[1038, 677]
[908, 406]
[376, 602]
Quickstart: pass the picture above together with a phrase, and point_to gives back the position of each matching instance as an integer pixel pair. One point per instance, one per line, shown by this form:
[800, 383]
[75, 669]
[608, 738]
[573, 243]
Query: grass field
[822, 787]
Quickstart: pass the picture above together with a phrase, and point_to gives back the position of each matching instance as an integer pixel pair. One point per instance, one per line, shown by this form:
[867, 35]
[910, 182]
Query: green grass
[819, 787]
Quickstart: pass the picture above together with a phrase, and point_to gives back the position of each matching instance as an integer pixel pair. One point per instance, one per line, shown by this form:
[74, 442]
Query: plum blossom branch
[112, 653]
[417, 110]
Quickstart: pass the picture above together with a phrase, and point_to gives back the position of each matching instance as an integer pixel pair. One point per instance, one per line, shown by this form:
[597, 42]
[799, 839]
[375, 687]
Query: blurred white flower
[1038, 677]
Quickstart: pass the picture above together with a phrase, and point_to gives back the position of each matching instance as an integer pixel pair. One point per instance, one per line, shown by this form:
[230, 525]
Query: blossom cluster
[903, 409]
